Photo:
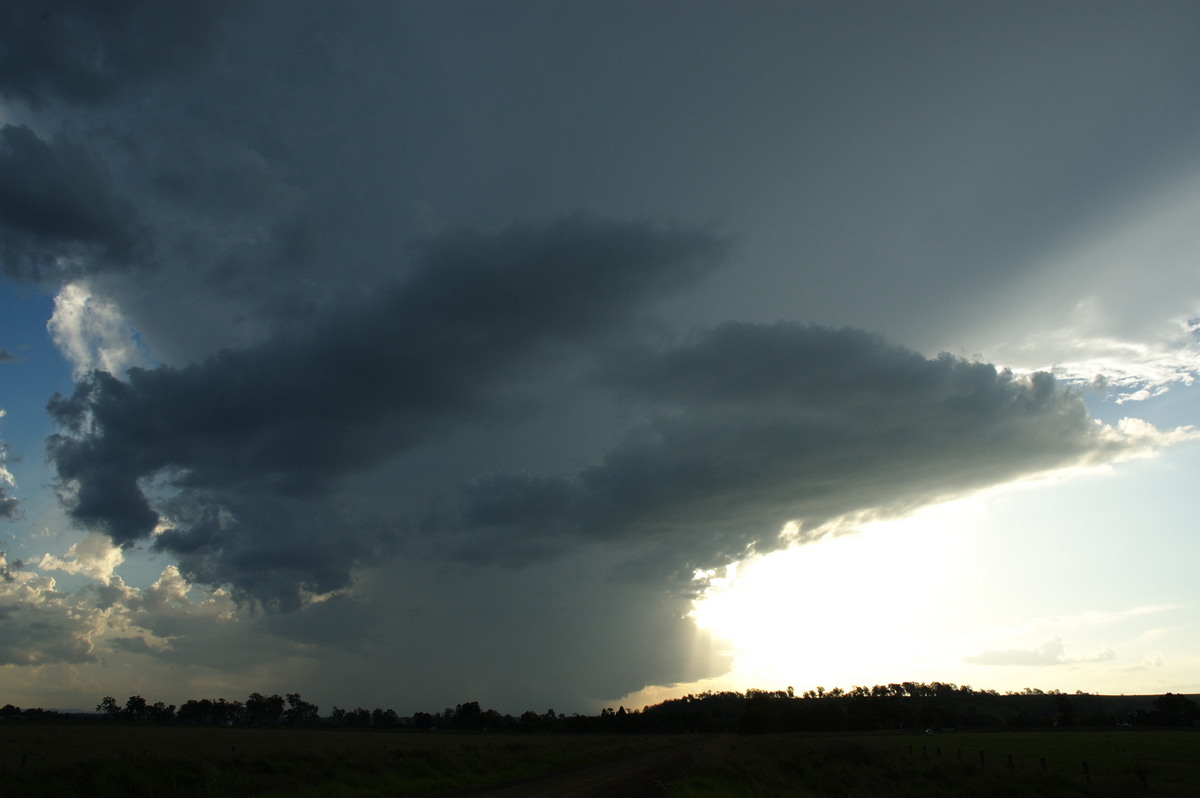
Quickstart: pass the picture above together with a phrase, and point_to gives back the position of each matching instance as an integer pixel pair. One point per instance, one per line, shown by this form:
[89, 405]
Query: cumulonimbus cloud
[751, 427]
[235, 464]
[265, 433]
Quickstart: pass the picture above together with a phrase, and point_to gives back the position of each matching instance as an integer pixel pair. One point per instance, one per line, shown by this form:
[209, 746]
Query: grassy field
[56, 759]
[134, 759]
[981, 764]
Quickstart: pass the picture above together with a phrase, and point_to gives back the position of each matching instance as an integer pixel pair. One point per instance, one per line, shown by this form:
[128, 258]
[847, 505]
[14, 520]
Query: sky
[568, 355]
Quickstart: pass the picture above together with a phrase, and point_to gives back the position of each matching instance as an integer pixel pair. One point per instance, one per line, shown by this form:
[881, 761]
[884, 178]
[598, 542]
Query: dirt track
[637, 776]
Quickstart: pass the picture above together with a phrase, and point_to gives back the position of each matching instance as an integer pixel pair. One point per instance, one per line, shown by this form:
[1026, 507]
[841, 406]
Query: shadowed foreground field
[109, 760]
[100, 759]
[978, 764]
[981, 765]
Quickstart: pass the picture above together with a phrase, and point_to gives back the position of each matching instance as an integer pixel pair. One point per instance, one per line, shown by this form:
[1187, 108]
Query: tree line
[256, 710]
[937, 706]
[908, 705]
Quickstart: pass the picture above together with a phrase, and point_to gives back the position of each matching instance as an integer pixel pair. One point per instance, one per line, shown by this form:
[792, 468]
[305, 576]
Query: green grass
[124, 760]
[1051, 763]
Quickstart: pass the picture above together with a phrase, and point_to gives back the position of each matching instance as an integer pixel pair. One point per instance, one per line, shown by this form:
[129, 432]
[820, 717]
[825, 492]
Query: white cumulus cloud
[92, 333]
[94, 556]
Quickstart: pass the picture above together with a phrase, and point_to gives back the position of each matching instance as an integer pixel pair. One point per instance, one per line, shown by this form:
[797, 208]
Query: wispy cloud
[1052, 652]
[1130, 370]
[1094, 618]
[1149, 663]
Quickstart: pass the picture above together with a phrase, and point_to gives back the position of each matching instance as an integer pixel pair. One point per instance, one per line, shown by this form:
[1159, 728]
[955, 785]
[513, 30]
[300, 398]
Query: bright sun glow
[798, 616]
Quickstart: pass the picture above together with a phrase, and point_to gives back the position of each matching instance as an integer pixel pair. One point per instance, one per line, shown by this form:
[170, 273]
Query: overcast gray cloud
[86, 52]
[59, 215]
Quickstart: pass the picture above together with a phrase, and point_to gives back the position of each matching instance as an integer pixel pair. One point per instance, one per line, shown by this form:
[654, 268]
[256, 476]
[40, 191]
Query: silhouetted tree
[135, 708]
[109, 706]
[299, 712]
[227, 712]
[1064, 710]
[468, 716]
[384, 718]
[159, 711]
[196, 711]
[262, 710]
[1174, 710]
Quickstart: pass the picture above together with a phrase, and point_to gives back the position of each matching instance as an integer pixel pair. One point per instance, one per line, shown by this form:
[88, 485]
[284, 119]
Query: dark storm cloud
[755, 426]
[60, 215]
[9, 508]
[269, 545]
[254, 438]
[86, 51]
